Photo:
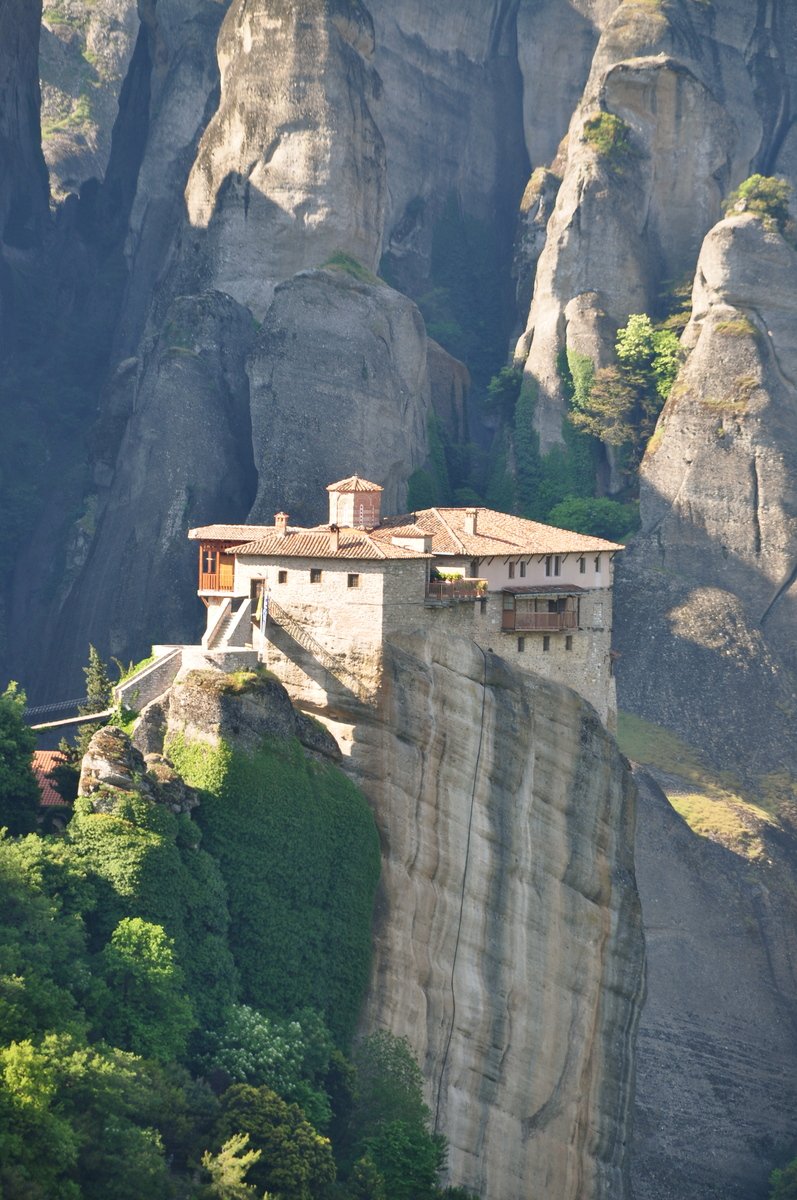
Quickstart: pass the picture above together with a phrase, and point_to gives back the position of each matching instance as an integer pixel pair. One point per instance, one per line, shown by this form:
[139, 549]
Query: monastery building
[317, 604]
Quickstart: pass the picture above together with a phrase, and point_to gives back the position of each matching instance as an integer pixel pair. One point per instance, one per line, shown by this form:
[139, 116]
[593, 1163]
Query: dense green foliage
[120, 1003]
[767, 196]
[19, 792]
[298, 849]
[296, 1161]
[622, 403]
[596, 515]
[610, 137]
[783, 1182]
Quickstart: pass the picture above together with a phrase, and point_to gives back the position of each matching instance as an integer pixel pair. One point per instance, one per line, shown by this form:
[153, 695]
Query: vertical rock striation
[24, 189]
[343, 359]
[708, 591]
[508, 941]
[292, 165]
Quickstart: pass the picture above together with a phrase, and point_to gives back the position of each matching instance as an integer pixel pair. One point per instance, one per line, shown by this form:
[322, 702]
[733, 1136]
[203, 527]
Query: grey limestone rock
[113, 766]
[86, 46]
[707, 592]
[292, 166]
[508, 945]
[339, 384]
[210, 706]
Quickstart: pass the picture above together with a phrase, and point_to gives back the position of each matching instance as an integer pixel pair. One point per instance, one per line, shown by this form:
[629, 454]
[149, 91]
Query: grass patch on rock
[715, 805]
[340, 261]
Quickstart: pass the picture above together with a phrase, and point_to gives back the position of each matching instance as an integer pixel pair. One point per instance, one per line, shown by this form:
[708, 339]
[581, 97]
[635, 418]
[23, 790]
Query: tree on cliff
[19, 792]
[623, 402]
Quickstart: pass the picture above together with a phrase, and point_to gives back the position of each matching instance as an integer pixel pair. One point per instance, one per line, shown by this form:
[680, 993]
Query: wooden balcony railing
[217, 581]
[535, 622]
[456, 589]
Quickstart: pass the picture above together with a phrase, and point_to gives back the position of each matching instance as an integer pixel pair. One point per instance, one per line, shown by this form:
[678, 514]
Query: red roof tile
[497, 534]
[354, 483]
[43, 762]
[309, 543]
[229, 533]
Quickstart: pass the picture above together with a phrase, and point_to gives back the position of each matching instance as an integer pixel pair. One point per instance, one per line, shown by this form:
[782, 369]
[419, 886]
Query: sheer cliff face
[508, 946]
[23, 175]
[708, 589]
[292, 165]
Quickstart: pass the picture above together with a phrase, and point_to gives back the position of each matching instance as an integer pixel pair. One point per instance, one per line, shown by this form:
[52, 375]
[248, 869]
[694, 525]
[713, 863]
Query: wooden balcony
[216, 569]
[538, 622]
[217, 581]
[450, 590]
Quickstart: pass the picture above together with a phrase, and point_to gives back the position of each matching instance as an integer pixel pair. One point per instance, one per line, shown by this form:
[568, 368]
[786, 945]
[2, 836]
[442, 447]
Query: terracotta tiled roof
[354, 483]
[43, 762]
[309, 543]
[497, 534]
[229, 533]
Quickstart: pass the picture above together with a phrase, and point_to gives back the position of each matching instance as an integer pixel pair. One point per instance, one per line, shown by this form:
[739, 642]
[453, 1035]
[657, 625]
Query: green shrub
[767, 196]
[610, 137]
[19, 791]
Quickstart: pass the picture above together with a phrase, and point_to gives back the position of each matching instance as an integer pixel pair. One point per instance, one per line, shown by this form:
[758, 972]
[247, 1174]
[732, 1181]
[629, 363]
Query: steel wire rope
[462, 893]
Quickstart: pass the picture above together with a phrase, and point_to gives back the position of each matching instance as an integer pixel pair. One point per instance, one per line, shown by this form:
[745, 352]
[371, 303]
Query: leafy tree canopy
[597, 516]
[296, 1161]
[19, 792]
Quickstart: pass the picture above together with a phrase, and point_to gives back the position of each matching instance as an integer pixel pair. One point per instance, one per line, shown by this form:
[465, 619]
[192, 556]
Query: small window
[282, 576]
[511, 570]
[210, 560]
[546, 641]
[582, 566]
[569, 641]
[315, 574]
[521, 645]
[597, 564]
[557, 563]
[522, 570]
[352, 580]
[548, 564]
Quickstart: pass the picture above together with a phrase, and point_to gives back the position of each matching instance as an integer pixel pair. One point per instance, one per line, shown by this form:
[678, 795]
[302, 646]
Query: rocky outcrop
[717, 1050]
[632, 213]
[508, 945]
[707, 591]
[86, 46]
[292, 166]
[113, 767]
[211, 706]
[341, 358]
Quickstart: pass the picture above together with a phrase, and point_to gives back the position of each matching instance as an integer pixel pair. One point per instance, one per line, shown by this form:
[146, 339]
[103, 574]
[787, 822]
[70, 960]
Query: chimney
[281, 524]
[334, 537]
[471, 515]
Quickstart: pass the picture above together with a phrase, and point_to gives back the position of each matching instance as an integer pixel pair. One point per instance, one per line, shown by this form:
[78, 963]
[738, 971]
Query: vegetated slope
[149, 1012]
